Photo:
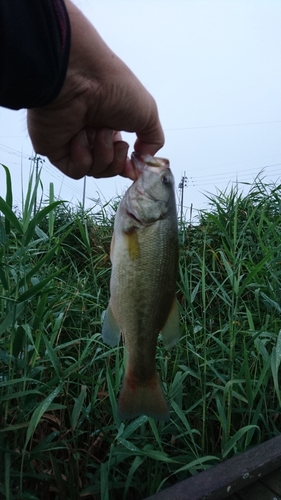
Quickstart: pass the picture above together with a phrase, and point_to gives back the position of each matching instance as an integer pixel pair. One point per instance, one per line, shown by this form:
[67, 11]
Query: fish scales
[144, 256]
[143, 312]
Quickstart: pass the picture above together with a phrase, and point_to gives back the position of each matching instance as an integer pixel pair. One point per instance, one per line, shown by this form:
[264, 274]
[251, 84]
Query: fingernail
[108, 138]
[122, 154]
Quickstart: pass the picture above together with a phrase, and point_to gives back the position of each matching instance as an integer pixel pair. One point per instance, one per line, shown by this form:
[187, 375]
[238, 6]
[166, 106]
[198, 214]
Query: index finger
[150, 140]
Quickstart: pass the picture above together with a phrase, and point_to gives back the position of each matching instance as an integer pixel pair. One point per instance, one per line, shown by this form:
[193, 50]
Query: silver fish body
[144, 255]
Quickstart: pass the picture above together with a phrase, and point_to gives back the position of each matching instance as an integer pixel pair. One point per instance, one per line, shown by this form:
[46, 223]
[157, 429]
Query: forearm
[80, 129]
[35, 43]
[97, 71]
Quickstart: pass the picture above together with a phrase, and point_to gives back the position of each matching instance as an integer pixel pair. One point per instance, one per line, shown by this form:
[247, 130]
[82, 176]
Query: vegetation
[60, 436]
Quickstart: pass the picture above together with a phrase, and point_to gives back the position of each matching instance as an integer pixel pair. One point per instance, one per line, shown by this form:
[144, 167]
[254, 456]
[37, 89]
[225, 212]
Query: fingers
[103, 153]
[150, 139]
[99, 153]
[80, 156]
[145, 145]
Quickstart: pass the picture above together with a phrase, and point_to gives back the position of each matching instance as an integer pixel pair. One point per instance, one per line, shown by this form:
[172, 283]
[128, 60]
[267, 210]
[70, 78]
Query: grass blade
[78, 407]
[39, 412]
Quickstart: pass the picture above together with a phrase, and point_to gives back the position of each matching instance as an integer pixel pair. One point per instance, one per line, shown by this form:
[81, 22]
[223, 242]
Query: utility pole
[36, 179]
[36, 160]
[84, 193]
[182, 185]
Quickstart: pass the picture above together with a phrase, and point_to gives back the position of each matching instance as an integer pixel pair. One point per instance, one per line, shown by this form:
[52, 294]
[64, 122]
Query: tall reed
[60, 435]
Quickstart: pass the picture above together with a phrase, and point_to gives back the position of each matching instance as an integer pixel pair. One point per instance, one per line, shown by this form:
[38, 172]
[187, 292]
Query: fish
[142, 304]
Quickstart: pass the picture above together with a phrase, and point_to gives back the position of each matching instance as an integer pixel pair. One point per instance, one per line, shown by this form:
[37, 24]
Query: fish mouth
[149, 162]
[133, 216]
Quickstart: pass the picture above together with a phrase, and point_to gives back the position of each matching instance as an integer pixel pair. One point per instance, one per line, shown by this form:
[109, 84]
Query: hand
[80, 130]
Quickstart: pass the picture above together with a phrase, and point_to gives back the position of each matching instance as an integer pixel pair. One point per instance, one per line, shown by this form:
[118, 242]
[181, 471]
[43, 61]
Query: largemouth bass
[144, 256]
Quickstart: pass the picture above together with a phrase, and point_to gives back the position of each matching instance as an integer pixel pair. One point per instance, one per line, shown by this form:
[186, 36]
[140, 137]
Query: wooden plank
[257, 491]
[226, 478]
[273, 481]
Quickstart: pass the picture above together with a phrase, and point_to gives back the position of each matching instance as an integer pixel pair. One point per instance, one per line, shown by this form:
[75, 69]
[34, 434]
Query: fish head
[151, 197]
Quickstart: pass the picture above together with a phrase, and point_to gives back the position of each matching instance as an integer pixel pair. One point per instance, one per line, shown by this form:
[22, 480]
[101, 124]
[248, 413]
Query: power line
[226, 180]
[254, 169]
[14, 152]
[53, 172]
[239, 179]
[243, 161]
[202, 180]
[221, 126]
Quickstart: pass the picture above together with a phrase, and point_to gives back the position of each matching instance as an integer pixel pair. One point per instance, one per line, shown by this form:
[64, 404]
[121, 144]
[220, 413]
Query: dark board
[227, 478]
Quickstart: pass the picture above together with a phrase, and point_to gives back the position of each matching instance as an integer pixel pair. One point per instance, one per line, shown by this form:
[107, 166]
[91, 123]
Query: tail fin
[138, 398]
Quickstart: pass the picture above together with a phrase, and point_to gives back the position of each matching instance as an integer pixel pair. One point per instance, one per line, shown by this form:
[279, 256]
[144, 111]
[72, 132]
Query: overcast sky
[214, 68]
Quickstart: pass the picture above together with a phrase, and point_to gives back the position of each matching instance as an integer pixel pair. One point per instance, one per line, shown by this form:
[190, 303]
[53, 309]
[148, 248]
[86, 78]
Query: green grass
[60, 436]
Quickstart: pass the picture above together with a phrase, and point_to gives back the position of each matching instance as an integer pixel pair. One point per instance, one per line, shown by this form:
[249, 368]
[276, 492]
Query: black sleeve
[34, 51]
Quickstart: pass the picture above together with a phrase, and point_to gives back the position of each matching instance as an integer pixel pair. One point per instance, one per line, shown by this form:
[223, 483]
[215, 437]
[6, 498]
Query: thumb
[150, 140]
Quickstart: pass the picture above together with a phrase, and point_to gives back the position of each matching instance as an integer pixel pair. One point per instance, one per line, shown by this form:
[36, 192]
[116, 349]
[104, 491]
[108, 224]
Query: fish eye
[166, 180]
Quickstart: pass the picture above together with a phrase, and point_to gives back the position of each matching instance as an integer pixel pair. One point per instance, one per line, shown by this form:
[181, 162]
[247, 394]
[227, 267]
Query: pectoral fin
[110, 329]
[171, 331]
